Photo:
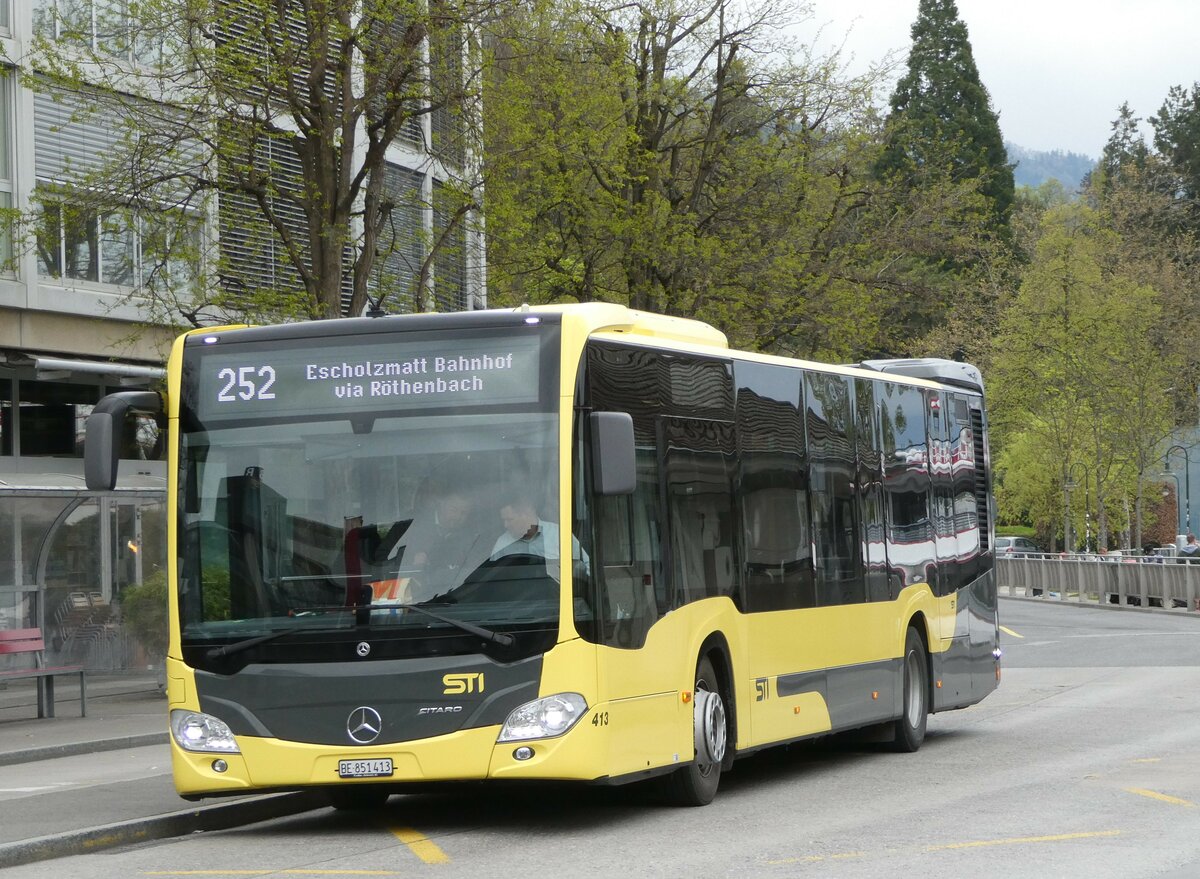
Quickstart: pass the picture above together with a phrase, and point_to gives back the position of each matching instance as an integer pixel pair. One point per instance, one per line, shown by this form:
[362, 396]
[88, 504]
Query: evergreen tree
[941, 120]
[1177, 138]
[1126, 148]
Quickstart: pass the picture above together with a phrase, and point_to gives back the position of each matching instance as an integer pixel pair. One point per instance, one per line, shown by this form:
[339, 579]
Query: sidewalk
[124, 711]
[41, 757]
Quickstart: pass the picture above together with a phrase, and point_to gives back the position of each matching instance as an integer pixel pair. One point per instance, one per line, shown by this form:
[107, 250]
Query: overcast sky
[1056, 70]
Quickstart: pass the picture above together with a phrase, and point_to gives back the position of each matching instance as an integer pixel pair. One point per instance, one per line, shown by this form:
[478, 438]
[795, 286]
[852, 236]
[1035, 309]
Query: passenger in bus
[440, 547]
[527, 533]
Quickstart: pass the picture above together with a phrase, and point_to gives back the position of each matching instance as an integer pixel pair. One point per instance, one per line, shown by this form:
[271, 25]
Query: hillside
[1035, 167]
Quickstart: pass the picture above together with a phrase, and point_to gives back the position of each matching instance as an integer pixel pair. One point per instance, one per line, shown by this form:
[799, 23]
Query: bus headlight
[194, 731]
[543, 718]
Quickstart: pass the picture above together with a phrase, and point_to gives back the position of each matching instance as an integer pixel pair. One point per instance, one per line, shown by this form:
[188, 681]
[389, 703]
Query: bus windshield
[410, 529]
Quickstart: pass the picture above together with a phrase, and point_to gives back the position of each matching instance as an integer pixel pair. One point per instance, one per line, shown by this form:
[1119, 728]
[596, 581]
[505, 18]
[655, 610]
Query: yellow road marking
[1155, 795]
[1021, 840]
[421, 845]
[1006, 630]
[983, 843]
[812, 859]
[295, 872]
[1148, 760]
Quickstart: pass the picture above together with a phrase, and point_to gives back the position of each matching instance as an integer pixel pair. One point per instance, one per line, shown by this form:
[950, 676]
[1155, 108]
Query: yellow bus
[569, 542]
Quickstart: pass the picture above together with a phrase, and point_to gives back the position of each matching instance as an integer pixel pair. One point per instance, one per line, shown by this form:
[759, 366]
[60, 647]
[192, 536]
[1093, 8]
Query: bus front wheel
[696, 784]
[910, 727]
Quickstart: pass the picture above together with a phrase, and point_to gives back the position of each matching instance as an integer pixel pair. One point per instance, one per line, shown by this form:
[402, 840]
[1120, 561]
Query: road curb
[70, 749]
[218, 817]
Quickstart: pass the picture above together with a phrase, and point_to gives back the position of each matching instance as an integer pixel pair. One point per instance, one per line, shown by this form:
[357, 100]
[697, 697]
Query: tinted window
[773, 488]
[828, 428]
[906, 484]
[964, 475]
[682, 409]
[698, 461]
[871, 502]
[949, 575]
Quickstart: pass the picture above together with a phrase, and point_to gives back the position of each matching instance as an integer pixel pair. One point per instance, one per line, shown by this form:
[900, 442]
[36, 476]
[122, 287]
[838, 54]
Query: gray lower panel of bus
[845, 691]
[413, 698]
[968, 669]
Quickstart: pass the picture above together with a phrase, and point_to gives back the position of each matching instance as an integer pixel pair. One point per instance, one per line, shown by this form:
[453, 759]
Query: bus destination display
[368, 377]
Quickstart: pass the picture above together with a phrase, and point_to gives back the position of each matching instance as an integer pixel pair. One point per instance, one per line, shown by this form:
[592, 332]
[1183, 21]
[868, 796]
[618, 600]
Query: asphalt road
[1086, 762]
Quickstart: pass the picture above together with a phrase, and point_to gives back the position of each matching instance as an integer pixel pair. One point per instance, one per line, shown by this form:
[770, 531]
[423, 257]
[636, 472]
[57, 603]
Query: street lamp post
[1187, 483]
[1087, 503]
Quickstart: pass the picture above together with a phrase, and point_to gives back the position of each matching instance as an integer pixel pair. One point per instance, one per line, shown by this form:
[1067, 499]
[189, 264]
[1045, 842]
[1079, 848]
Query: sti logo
[471, 682]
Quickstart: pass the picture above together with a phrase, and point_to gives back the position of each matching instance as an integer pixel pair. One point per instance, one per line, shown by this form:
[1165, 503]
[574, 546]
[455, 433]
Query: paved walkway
[124, 710]
[56, 799]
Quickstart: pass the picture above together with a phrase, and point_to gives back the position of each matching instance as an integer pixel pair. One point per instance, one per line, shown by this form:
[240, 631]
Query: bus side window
[906, 483]
[868, 445]
[772, 483]
[628, 565]
[832, 470]
[626, 550]
[964, 476]
[698, 460]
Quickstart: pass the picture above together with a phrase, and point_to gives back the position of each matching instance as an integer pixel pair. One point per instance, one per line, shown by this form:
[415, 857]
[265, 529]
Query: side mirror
[614, 461]
[104, 437]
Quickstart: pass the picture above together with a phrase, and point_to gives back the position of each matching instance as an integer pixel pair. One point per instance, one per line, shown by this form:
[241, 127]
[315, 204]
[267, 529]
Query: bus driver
[526, 533]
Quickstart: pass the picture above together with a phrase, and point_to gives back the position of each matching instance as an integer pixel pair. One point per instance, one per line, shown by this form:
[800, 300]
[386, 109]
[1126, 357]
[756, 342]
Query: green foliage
[214, 583]
[1081, 376]
[144, 607]
[737, 190]
[1016, 531]
[1177, 138]
[144, 613]
[941, 120]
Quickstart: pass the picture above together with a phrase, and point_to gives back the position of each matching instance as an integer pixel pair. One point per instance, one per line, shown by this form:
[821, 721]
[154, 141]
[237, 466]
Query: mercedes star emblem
[364, 725]
[363, 648]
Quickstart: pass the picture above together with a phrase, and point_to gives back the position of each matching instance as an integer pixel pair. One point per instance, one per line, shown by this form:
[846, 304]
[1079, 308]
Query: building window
[104, 26]
[400, 247]
[52, 416]
[450, 261]
[6, 168]
[7, 417]
[116, 246]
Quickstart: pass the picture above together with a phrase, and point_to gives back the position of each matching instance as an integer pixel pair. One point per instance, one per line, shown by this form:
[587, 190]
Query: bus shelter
[68, 557]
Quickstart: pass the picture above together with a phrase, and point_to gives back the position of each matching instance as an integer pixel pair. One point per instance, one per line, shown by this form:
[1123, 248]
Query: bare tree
[270, 122]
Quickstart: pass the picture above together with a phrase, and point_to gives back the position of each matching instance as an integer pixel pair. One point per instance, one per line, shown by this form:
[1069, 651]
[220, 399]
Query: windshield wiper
[215, 653]
[502, 638]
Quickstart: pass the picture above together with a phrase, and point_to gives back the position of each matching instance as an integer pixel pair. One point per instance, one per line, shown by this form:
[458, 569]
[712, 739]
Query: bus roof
[600, 317]
[597, 316]
[948, 372]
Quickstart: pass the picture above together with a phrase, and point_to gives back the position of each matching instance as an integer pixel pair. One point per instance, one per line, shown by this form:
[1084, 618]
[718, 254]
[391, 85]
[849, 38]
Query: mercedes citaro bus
[573, 542]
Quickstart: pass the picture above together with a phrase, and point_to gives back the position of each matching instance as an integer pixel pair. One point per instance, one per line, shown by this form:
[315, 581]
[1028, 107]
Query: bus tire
[696, 783]
[909, 728]
[357, 797]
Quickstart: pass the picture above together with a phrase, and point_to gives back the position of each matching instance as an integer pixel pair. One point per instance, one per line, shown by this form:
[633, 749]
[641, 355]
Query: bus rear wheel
[909, 730]
[696, 784]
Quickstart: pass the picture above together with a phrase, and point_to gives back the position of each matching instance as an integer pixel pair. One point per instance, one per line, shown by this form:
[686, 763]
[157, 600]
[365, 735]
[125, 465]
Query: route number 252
[247, 383]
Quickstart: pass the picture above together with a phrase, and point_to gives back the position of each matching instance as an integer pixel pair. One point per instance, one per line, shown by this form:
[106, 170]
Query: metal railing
[1150, 581]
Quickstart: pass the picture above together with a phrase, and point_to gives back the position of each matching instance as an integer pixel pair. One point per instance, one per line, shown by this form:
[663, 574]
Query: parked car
[1016, 546]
